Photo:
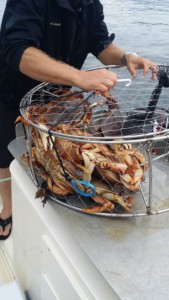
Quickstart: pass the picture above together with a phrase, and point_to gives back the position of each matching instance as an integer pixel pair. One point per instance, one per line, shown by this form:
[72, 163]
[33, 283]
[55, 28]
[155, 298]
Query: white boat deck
[132, 254]
[9, 288]
[6, 255]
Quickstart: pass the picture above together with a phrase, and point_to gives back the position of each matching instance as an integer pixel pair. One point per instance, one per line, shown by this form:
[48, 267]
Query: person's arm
[112, 55]
[39, 66]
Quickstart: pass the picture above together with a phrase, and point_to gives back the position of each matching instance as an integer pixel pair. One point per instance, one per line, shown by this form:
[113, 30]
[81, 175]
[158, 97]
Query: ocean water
[140, 26]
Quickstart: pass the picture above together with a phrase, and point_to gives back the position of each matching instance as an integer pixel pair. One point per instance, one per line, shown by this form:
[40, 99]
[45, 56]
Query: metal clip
[125, 80]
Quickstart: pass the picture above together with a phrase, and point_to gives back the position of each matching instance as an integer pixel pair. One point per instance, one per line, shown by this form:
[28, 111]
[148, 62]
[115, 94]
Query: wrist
[125, 57]
[74, 76]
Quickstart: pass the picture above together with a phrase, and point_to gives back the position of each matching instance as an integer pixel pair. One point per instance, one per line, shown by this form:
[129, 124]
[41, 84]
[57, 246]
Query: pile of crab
[115, 170]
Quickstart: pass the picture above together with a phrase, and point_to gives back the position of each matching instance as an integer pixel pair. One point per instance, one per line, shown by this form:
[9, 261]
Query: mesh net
[101, 153]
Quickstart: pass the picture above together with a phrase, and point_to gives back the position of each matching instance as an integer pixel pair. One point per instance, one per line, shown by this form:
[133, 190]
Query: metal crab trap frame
[102, 153]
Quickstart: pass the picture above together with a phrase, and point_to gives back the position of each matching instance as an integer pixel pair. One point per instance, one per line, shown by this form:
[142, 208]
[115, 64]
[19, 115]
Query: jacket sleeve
[22, 27]
[101, 38]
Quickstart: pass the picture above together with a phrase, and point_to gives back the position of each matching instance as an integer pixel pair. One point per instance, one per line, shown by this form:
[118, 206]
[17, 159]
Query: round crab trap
[105, 154]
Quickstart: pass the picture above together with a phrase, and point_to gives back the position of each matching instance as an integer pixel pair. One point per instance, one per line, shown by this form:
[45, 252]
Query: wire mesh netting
[101, 153]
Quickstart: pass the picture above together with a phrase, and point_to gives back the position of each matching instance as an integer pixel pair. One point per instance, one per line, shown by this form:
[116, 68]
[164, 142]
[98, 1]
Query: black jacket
[52, 26]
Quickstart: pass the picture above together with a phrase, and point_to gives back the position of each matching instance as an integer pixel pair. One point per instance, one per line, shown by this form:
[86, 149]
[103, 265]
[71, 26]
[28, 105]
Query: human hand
[136, 62]
[101, 80]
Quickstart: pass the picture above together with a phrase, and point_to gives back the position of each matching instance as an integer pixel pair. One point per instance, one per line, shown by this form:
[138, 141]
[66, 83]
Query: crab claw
[22, 120]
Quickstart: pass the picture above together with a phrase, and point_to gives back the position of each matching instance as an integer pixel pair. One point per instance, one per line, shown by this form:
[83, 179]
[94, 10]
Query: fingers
[104, 78]
[136, 62]
[148, 65]
[146, 69]
[154, 69]
[107, 84]
[132, 70]
[101, 80]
